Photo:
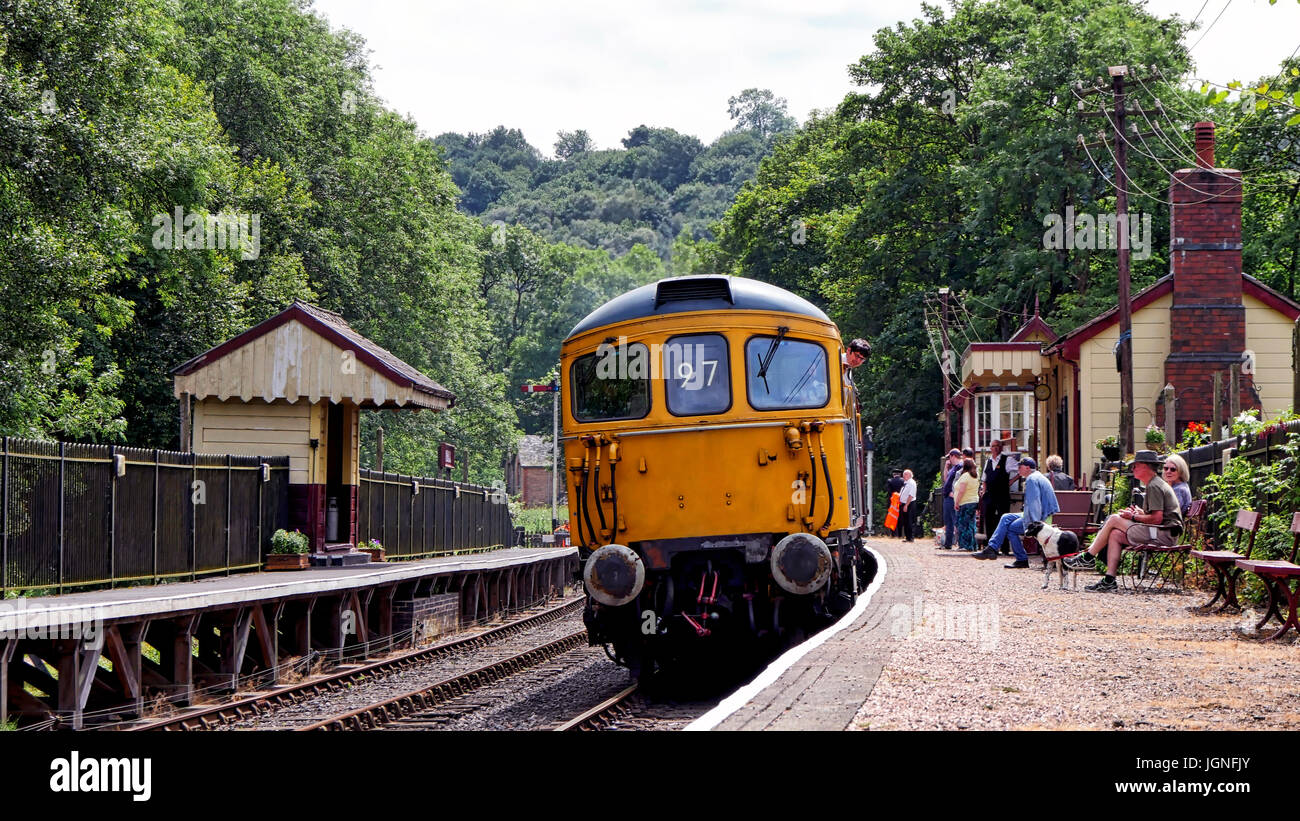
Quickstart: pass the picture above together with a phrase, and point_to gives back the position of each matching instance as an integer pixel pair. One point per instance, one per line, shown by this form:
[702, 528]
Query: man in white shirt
[906, 504]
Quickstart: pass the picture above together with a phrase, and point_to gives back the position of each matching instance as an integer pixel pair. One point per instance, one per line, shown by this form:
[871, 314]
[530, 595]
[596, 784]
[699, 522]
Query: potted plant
[1155, 438]
[288, 551]
[374, 548]
[1109, 447]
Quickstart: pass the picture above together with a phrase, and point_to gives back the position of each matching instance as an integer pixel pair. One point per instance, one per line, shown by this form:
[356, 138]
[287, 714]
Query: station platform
[825, 688]
[178, 598]
[950, 643]
[106, 653]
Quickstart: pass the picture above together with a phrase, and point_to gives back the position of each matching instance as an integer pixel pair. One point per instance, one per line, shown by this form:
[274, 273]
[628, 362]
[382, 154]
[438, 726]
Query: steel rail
[204, 718]
[370, 717]
[597, 718]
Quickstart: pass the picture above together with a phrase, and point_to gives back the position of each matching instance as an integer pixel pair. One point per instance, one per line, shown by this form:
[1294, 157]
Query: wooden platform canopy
[306, 351]
[294, 385]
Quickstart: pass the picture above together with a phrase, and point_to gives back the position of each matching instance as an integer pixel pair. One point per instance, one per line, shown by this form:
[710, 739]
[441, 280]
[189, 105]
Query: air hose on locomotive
[826, 471]
[582, 492]
[812, 479]
[595, 495]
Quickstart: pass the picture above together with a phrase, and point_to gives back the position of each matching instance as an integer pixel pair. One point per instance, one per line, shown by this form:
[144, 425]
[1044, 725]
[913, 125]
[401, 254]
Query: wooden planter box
[287, 561]
[376, 554]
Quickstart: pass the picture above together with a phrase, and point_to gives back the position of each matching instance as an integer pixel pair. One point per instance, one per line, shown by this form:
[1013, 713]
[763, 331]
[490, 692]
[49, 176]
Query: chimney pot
[1205, 144]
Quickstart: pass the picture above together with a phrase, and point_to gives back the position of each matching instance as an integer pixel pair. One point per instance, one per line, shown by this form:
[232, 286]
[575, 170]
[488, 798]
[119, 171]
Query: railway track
[598, 717]
[633, 709]
[260, 704]
[418, 703]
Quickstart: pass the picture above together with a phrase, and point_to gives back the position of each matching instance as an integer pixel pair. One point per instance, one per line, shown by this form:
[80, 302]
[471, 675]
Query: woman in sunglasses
[1176, 473]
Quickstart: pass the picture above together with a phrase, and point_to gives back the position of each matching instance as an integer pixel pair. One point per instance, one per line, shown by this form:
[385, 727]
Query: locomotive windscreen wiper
[766, 361]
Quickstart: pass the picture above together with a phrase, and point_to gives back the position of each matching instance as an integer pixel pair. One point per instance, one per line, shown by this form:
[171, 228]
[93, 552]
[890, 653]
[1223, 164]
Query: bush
[1271, 489]
[285, 542]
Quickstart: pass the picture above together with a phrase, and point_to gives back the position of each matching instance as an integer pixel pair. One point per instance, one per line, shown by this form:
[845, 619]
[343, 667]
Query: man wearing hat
[1158, 521]
[1040, 504]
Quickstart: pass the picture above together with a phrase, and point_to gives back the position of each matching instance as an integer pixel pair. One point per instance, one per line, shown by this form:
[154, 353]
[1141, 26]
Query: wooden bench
[1277, 576]
[1157, 565]
[1224, 562]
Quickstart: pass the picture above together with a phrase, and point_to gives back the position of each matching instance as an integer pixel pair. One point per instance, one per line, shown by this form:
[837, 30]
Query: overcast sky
[608, 67]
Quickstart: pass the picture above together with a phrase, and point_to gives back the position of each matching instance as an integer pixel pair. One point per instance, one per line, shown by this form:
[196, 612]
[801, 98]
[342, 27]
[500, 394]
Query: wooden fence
[73, 515]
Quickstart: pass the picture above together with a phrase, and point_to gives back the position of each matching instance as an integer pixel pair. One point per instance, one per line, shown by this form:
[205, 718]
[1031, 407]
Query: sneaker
[1104, 586]
[1080, 561]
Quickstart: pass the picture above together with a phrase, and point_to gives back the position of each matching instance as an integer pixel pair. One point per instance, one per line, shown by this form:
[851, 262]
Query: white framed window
[998, 412]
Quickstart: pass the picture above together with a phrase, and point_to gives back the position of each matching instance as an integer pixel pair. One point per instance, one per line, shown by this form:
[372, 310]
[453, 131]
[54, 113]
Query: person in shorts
[1159, 521]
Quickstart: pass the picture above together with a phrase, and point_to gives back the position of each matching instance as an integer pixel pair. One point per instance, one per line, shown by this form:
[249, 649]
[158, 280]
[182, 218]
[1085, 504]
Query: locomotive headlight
[614, 575]
[801, 563]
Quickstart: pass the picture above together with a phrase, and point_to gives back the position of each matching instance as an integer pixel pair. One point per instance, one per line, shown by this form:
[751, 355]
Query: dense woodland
[470, 256]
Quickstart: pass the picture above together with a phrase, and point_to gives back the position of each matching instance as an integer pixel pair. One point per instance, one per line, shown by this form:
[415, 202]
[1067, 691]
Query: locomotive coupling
[801, 563]
[614, 575]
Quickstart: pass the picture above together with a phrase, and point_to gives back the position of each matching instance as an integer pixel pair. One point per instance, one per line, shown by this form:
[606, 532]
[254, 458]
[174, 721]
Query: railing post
[4, 521]
[194, 517]
[230, 491]
[112, 516]
[261, 506]
[156, 480]
[62, 476]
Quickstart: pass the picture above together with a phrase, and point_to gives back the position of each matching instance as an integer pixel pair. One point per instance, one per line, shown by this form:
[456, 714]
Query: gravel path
[985, 648]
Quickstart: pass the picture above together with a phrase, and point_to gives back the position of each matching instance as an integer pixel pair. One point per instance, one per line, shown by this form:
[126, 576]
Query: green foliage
[661, 185]
[1271, 488]
[282, 542]
[538, 519]
[1122, 496]
[760, 111]
[940, 171]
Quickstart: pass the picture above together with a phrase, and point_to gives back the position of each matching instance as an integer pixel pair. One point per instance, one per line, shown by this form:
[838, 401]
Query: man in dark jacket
[950, 470]
[995, 487]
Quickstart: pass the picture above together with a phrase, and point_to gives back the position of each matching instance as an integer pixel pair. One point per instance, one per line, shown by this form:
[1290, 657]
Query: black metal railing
[416, 517]
[74, 515]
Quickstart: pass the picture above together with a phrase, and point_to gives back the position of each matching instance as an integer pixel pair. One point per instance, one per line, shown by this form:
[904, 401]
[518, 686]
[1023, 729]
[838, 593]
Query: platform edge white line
[786, 660]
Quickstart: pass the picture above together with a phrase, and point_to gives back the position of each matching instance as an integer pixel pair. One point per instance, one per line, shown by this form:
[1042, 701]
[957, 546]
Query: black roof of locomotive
[715, 293]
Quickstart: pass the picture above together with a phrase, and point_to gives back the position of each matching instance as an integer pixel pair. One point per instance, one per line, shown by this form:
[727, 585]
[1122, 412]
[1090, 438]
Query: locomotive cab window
[783, 373]
[613, 383]
[697, 374]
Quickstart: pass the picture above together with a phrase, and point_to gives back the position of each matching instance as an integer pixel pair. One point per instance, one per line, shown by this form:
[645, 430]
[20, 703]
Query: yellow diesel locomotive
[713, 459]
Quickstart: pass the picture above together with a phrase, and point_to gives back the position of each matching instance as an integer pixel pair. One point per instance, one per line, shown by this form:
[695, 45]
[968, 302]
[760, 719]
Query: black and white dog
[1056, 543]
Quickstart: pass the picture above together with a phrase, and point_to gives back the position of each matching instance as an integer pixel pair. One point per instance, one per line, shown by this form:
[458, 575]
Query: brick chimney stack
[1207, 331]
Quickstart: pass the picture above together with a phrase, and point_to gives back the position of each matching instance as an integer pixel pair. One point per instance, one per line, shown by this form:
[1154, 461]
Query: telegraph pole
[945, 368]
[1117, 74]
[1118, 120]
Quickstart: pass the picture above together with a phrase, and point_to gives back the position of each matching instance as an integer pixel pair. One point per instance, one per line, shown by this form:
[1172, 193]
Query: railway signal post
[553, 388]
